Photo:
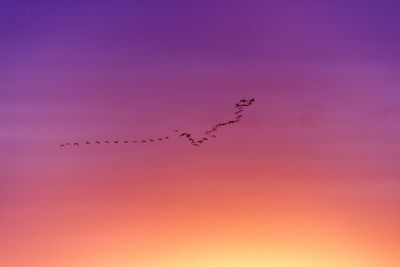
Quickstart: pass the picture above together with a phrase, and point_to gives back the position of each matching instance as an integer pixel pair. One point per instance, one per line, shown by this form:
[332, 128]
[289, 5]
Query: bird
[98, 142]
[160, 139]
[76, 144]
[200, 141]
[151, 140]
[107, 142]
[134, 141]
[143, 141]
[62, 145]
[167, 137]
[126, 142]
[88, 143]
[205, 139]
[116, 142]
[252, 100]
[68, 144]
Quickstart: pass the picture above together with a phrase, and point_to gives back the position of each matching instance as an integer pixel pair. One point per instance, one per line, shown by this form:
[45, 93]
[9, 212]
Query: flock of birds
[209, 134]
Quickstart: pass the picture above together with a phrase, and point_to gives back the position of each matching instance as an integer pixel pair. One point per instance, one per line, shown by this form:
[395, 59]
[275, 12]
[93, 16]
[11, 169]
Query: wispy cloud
[311, 116]
[392, 112]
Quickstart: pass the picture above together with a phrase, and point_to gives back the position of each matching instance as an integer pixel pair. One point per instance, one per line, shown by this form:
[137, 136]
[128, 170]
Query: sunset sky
[310, 177]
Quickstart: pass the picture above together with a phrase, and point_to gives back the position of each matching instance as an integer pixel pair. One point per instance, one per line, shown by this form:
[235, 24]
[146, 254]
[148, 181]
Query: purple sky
[325, 127]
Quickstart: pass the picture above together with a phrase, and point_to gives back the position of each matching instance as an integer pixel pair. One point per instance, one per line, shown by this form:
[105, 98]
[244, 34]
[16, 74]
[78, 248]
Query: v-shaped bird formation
[209, 134]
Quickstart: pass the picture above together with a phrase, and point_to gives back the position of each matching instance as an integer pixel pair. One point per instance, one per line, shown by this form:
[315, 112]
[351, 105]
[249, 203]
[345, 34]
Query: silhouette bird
[240, 107]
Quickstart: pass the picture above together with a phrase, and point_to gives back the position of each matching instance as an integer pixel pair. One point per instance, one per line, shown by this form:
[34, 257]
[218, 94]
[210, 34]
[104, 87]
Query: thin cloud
[392, 112]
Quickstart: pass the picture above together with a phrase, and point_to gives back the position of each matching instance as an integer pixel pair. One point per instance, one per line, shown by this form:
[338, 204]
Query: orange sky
[308, 178]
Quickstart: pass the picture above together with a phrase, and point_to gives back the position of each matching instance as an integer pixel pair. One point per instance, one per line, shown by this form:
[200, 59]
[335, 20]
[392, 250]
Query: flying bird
[240, 107]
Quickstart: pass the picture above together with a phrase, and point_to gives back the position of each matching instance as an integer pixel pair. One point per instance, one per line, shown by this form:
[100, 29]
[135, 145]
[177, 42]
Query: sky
[309, 177]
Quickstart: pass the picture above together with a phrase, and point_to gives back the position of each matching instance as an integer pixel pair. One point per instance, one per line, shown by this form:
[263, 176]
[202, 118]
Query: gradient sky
[309, 178]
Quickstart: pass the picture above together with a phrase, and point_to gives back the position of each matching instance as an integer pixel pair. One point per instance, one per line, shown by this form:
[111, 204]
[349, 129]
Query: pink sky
[309, 177]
